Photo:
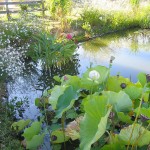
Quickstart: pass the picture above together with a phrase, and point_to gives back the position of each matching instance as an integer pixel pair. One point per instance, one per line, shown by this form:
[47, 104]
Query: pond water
[130, 49]
[28, 80]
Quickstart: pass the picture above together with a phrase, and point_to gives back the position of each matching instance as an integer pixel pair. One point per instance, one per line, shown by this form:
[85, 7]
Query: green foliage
[66, 101]
[20, 125]
[50, 51]
[120, 101]
[55, 94]
[8, 139]
[96, 21]
[94, 123]
[114, 83]
[59, 8]
[18, 33]
[140, 135]
[35, 142]
[135, 2]
[142, 78]
[57, 136]
[31, 131]
[93, 107]
[124, 118]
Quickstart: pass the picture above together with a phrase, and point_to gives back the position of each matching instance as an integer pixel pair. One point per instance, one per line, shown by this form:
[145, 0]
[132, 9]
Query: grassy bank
[95, 22]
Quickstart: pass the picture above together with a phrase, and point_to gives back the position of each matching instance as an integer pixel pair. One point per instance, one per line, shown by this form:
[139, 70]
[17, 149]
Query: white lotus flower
[94, 75]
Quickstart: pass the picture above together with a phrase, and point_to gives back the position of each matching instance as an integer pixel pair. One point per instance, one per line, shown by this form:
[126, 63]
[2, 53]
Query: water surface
[27, 79]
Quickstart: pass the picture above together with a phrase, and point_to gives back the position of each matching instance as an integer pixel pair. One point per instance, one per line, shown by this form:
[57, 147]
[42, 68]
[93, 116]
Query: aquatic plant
[50, 51]
[98, 110]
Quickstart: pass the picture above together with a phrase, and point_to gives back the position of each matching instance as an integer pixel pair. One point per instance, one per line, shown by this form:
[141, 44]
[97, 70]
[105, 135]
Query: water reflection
[27, 79]
[31, 83]
[131, 50]
[12, 61]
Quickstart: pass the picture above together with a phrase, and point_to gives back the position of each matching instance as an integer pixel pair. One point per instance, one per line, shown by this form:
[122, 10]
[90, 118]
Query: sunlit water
[28, 80]
[131, 52]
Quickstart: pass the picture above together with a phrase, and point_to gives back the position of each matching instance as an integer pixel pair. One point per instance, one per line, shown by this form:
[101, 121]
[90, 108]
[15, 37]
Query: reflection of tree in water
[37, 78]
[71, 68]
[104, 41]
[95, 45]
[140, 40]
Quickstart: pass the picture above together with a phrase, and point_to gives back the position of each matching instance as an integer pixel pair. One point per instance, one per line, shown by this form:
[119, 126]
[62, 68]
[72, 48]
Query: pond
[28, 80]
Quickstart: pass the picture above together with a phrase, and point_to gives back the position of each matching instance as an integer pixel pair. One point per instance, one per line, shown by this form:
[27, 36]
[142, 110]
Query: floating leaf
[20, 125]
[33, 130]
[58, 136]
[93, 125]
[35, 142]
[66, 101]
[140, 135]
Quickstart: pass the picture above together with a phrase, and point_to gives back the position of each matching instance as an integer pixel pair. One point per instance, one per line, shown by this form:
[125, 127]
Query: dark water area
[28, 80]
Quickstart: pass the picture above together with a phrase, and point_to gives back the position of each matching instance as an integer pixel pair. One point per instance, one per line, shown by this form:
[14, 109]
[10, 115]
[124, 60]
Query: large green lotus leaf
[142, 78]
[143, 111]
[58, 136]
[140, 135]
[93, 125]
[66, 101]
[103, 71]
[20, 125]
[33, 130]
[133, 91]
[74, 81]
[114, 83]
[57, 91]
[124, 118]
[35, 142]
[121, 102]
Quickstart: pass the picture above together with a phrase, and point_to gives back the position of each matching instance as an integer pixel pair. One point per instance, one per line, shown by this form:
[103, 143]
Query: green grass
[96, 21]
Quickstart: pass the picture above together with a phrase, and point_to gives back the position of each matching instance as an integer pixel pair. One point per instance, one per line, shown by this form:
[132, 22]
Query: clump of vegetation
[96, 22]
[9, 110]
[51, 51]
[18, 33]
[94, 111]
